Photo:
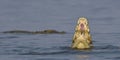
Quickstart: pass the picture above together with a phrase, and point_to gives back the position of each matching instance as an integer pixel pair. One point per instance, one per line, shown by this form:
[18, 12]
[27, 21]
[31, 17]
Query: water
[61, 15]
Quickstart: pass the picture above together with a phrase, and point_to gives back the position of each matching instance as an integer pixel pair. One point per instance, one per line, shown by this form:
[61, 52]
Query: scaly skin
[82, 37]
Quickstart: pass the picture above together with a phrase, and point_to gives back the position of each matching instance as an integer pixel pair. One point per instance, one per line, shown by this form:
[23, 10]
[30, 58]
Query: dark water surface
[61, 15]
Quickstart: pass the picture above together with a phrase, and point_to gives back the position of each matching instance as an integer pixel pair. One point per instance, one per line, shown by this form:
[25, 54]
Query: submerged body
[36, 32]
[82, 37]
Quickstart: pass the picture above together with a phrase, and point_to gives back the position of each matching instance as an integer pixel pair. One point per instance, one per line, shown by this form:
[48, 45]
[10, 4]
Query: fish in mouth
[82, 37]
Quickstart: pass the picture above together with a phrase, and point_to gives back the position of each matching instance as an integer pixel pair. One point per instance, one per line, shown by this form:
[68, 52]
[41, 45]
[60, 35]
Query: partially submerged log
[36, 32]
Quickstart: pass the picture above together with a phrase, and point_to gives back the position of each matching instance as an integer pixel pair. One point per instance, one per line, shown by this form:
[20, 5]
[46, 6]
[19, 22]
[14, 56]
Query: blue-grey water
[61, 15]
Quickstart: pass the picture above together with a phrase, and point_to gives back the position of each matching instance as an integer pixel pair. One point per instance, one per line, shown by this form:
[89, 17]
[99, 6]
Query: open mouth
[82, 27]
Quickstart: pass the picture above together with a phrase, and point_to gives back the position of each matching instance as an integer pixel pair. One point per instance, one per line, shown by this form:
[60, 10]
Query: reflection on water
[32, 45]
[83, 57]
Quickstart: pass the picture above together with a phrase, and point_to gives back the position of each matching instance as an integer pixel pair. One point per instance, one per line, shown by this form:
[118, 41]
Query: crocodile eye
[86, 23]
[73, 41]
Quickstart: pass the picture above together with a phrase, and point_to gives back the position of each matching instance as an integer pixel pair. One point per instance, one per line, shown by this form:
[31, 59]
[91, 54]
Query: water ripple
[8, 37]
